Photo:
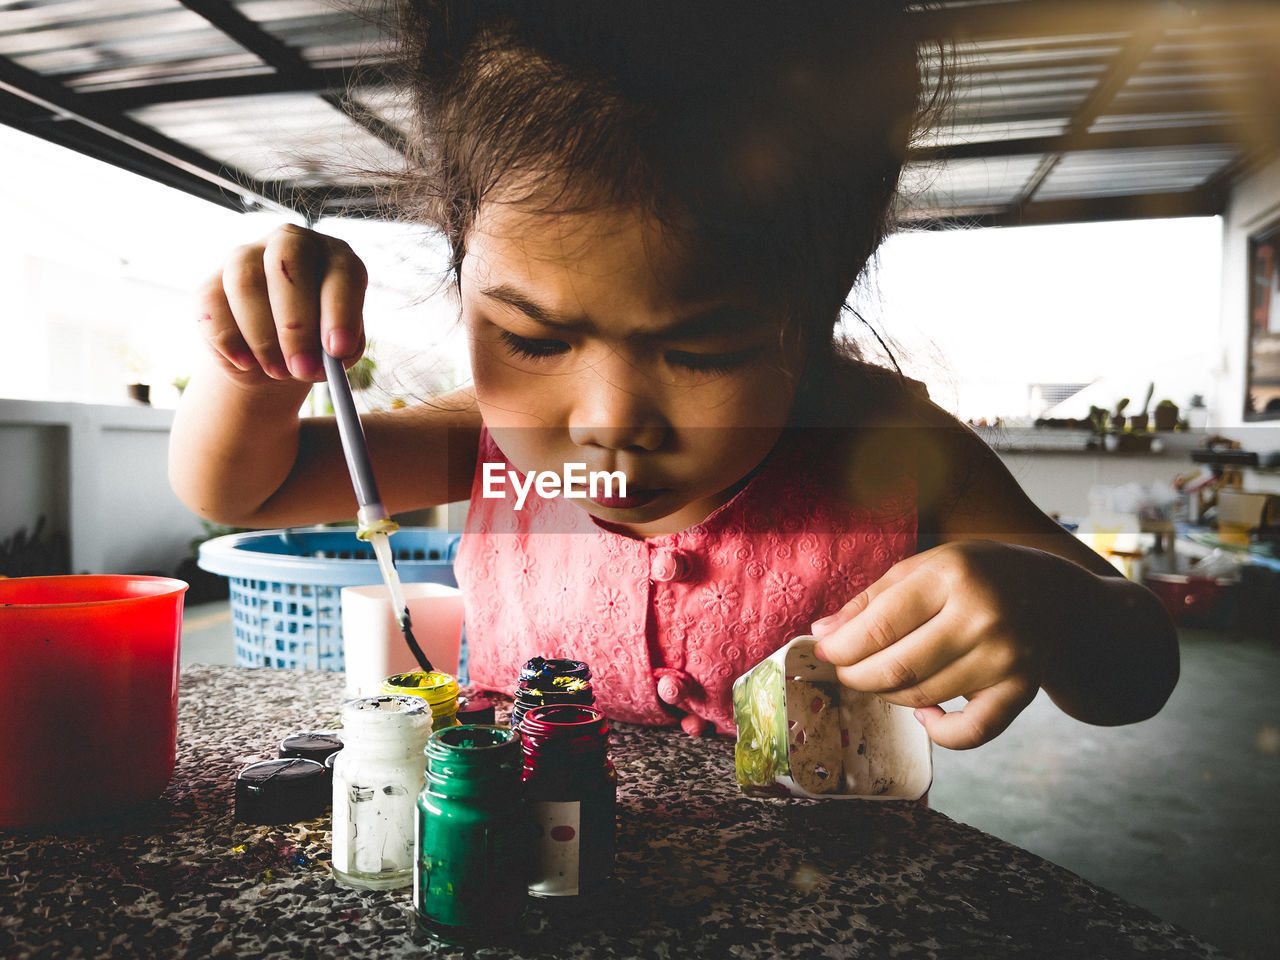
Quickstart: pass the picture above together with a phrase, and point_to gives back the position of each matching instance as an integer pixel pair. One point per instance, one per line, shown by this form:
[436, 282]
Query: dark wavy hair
[771, 135]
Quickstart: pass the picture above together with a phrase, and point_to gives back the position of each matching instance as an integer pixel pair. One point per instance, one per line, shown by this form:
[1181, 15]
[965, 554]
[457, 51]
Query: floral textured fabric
[668, 623]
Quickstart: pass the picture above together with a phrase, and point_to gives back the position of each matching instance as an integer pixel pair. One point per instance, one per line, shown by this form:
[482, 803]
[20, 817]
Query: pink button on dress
[668, 623]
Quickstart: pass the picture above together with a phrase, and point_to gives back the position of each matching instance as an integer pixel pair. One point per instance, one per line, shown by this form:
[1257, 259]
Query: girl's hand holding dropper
[268, 311]
[237, 437]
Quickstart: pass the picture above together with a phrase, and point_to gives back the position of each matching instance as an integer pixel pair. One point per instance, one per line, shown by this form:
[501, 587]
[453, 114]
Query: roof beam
[228, 18]
[1203, 202]
[357, 201]
[288, 62]
[122, 99]
[1001, 20]
[1187, 136]
[1077, 132]
[1149, 22]
[133, 146]
[112, 151]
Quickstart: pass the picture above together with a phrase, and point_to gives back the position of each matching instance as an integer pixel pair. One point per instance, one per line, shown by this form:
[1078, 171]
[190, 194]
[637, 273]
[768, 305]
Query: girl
[656, 211]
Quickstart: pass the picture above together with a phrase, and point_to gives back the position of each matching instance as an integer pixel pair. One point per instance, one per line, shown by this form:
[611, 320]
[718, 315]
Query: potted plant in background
[1136, 439]
[1100, 423]
[1138, 422]
[1166, 414]
[136, 364]
[1110, 433]
[1117, 416]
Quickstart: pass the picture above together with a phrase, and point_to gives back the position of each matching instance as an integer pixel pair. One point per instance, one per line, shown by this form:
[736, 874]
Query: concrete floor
[1177, 814]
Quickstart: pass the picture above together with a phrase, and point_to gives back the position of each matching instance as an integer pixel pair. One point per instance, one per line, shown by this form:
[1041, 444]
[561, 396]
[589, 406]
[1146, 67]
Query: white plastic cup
[373, 646]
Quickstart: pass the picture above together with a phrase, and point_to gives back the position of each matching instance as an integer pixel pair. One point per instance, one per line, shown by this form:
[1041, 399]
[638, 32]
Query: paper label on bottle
[372, 829]
[557, 850]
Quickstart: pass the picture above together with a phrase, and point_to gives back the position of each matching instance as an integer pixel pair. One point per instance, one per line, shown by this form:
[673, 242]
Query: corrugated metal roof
[1063, 111]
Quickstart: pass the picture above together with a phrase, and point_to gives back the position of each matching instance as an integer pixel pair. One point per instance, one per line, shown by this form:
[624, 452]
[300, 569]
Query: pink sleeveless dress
[668, 623]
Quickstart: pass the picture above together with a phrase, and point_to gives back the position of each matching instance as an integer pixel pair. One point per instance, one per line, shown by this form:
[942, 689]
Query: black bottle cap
[476, 710]
[312, 745]
[282, 791]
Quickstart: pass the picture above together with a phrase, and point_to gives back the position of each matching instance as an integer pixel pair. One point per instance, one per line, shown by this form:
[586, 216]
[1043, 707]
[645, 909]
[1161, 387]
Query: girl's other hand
[267, 312]
[977, 619]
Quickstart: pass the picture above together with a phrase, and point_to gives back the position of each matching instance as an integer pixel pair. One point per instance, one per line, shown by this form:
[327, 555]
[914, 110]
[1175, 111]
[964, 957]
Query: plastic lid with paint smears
[314, 745]
[281, 791]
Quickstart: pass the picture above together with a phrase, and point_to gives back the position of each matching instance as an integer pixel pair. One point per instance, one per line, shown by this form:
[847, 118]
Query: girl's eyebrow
[718, 319]
[505, 293]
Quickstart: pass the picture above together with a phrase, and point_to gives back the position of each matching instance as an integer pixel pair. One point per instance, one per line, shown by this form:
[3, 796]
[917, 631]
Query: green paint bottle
[473, 836]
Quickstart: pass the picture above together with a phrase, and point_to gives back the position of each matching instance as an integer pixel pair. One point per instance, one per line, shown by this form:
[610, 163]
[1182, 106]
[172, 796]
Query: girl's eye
[531, 349]
[710, 362]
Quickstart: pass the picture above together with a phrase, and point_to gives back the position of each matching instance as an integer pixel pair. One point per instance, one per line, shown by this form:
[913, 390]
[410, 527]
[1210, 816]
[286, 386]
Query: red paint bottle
[571, 790]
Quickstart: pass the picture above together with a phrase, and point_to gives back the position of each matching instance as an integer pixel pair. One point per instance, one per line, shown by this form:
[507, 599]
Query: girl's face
[594, 340]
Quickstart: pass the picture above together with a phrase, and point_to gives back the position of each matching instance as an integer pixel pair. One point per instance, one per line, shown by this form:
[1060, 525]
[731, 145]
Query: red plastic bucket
[88, 694]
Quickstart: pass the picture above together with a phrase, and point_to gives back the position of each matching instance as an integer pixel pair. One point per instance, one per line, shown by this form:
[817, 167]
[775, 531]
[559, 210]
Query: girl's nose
[616, 407]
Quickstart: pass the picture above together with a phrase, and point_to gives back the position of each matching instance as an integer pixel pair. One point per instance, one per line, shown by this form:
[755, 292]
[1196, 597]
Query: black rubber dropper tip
[416, 650]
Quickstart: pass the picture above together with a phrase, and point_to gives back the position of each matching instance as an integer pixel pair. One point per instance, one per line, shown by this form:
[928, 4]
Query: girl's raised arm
[240, 453]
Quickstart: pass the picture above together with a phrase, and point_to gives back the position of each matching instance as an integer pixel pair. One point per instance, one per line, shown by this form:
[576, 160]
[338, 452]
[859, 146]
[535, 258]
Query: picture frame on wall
[1262, 369]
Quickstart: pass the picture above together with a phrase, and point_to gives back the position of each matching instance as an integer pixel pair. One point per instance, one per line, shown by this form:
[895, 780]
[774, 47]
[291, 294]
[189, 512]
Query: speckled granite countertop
[702, 871]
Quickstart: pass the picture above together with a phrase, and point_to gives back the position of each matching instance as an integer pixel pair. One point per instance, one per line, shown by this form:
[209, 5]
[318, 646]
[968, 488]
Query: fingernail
[243, 361]
[824, 624]
[338, 344]
[306, 366]
[817, 652]
[277, 370]
[919, 715]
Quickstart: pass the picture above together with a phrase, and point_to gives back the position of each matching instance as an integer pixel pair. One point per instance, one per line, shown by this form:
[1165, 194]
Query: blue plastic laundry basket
[286, 600]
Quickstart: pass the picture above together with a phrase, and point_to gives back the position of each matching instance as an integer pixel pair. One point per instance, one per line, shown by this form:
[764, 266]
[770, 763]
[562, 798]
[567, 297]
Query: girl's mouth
[633, 500]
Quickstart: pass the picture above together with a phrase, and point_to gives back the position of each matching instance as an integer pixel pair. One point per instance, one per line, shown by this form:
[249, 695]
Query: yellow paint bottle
[438, 689]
